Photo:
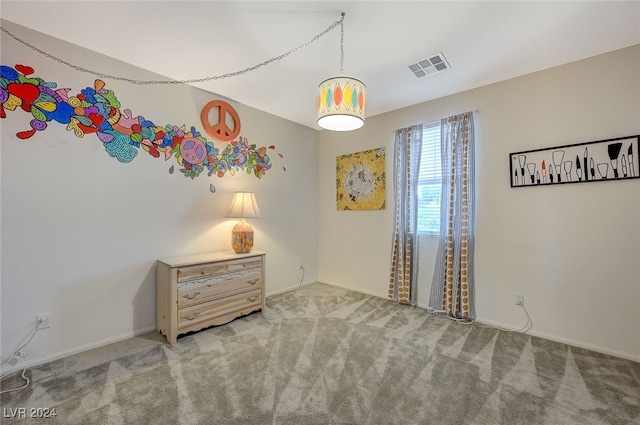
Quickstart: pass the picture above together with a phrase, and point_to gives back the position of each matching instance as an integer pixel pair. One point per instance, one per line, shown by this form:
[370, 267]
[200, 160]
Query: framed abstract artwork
[602, 160]
[360, 180]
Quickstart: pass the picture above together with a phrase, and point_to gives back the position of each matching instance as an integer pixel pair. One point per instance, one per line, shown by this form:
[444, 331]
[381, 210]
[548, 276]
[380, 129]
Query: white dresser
[198, 291]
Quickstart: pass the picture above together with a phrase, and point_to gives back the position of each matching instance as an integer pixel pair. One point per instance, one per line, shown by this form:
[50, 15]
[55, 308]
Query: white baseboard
[568, 341]
[351, 288]
[127, 335]
[52, 357]
[49, 358]
[288, 289]
[544, 335]
[7, 370]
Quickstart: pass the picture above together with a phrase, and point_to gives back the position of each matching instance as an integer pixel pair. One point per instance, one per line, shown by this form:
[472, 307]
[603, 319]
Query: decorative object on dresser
[244, 205]
[198, 291]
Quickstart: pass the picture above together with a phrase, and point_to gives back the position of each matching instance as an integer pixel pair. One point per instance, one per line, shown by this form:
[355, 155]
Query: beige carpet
[324, 355]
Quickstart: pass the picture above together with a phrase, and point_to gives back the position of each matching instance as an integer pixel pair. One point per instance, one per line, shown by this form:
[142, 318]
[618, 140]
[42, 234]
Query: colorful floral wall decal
[96, 110]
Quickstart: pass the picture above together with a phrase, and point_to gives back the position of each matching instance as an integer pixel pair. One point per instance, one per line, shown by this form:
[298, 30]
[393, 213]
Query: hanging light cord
[193, 80]
[341, 44]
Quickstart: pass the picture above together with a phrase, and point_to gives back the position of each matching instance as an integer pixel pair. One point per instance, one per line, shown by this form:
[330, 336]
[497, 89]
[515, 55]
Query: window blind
[429, 180]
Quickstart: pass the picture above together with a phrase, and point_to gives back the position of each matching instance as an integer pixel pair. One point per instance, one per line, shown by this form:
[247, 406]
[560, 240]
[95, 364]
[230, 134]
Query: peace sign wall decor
[96, 110]
[602, 160]
[221, 130]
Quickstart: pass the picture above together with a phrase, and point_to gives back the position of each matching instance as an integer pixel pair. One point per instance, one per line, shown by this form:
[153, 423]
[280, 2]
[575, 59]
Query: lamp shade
[341, 104]
[244, 205]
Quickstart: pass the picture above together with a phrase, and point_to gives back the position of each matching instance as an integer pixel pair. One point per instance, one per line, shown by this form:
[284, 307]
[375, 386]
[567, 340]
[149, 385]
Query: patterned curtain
[406, 153]
[452, 286]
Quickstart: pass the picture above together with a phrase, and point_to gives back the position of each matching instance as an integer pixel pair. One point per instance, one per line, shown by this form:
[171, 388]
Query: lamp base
[242, 237]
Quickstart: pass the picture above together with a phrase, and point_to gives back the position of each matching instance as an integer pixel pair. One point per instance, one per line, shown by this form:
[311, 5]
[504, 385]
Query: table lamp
[243, 206]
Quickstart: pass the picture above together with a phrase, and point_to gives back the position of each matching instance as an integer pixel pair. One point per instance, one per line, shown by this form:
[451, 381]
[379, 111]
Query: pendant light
[341, 100]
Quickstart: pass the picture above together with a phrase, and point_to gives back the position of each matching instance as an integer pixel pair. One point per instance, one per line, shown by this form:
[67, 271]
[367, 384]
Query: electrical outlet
[43, 321]
[518, 299]
[13, 360]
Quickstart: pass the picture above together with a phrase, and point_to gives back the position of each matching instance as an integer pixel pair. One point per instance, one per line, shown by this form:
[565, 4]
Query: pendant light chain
[193, 80]
[342, 45]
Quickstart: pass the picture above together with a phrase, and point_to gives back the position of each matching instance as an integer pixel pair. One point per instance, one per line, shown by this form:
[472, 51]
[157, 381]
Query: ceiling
[484, 42]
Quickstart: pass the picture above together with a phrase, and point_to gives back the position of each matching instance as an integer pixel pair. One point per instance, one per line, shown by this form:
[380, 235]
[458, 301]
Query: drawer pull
[191, 296]
[204, 272]
[253, 281]
[252, 299]
[191, 316]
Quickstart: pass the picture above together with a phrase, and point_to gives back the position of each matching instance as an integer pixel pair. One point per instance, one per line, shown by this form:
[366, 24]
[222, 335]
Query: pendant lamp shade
[341, 104]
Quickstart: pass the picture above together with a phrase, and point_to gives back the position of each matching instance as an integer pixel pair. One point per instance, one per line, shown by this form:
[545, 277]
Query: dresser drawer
[203, 290]
[236, 305]
[194, 292]
[212, 269]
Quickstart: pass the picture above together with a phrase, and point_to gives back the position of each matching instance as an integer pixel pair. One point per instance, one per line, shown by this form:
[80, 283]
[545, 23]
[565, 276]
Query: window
[430, 180]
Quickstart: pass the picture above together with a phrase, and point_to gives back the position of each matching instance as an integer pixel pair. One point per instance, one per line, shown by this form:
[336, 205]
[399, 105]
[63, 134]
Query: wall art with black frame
[602, 160]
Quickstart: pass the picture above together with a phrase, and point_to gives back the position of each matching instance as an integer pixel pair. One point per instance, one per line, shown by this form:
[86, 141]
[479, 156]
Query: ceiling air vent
[430, 65]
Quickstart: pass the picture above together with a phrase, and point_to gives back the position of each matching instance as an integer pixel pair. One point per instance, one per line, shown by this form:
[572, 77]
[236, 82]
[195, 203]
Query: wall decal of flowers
[96, 110]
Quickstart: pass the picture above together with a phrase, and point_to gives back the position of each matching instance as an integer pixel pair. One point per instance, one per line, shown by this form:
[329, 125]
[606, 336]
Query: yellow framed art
[360, 180]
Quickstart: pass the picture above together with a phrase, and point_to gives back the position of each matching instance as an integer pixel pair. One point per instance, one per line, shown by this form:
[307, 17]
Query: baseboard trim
[351, 288]
[544, 335]
[551, 337]
[288, 289]
[76, 350]
[568, 341]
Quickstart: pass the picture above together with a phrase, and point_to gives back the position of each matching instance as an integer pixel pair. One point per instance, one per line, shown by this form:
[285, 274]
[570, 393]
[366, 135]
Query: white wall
[80, 231]
[572, 250]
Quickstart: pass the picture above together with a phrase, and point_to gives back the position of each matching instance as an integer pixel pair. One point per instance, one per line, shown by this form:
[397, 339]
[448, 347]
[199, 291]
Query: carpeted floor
[325, 355]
